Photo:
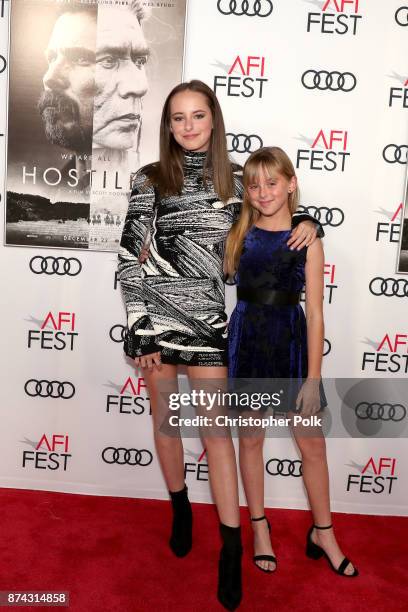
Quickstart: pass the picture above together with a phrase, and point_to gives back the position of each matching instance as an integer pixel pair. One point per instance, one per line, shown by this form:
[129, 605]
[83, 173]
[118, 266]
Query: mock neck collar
[194, 159]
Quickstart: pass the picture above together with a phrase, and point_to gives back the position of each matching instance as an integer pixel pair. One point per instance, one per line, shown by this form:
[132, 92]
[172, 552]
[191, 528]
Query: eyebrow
[195, 111]
[72, 53]
[255, 179]
[123, 51]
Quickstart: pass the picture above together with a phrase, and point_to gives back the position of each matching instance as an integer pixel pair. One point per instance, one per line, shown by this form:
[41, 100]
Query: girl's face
[270, 194]
[191, 121]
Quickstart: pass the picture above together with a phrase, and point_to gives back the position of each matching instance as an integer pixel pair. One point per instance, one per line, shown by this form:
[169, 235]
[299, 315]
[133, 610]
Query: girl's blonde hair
[273, 160]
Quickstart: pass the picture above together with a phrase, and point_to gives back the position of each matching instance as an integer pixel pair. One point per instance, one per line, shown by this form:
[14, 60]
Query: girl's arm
[308, 399]
[305, 230]
[141, 338]
[314, 308]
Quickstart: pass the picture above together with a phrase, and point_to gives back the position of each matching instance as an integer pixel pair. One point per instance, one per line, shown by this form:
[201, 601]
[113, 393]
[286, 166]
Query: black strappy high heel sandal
[270, 558]
[314, 551]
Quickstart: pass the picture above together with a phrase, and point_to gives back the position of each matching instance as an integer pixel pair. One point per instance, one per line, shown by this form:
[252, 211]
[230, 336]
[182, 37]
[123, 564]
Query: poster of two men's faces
[87, 83]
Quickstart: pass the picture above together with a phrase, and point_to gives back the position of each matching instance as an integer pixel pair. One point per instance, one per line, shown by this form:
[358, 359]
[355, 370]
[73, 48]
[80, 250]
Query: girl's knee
[312, 448]
[166, 442]
[251, 443]
[217, 442]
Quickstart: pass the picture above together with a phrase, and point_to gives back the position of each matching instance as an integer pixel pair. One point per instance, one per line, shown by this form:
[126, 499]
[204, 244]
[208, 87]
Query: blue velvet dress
[268, 341]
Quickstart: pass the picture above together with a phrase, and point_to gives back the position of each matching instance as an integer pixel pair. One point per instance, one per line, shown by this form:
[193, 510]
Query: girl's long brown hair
[273, 160]
[167, 174]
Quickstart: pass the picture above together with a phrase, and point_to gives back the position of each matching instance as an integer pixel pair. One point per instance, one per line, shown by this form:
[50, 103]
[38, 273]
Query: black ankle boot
[229, 569]
[181, 532]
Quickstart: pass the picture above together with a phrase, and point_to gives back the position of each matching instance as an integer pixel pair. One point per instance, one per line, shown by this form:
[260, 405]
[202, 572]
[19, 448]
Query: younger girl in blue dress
[269, 337]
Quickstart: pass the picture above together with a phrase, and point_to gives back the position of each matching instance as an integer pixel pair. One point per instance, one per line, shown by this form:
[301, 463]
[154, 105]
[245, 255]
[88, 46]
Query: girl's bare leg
[316, 480]
[169, 447]
[220, 453]
[252, 472]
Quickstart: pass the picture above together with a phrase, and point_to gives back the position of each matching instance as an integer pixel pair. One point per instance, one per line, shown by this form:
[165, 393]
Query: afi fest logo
[250, 79]
[50, 453]
[329, 286]
[376, 476]
[389, 231]
[334, 17]
[129, 398]
[57, 331]
[198, 467]
[328, 151]
[390, 355]
[399, 95]
[329, 277]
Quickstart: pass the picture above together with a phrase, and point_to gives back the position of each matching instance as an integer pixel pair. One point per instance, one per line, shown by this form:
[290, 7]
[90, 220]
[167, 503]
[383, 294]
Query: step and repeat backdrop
[327, 80]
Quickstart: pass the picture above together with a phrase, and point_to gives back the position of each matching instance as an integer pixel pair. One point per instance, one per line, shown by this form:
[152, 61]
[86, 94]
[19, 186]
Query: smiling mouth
[190, 135]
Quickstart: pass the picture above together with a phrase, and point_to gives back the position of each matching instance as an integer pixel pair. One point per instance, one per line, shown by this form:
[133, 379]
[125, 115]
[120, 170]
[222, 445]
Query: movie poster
[402, 265]
[87, 82]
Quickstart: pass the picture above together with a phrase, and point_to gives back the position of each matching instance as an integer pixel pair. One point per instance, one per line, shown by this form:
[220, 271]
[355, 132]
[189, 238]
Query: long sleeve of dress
[141, 337]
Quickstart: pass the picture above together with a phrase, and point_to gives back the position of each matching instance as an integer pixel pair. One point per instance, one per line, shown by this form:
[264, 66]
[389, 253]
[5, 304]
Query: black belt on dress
[273, 297]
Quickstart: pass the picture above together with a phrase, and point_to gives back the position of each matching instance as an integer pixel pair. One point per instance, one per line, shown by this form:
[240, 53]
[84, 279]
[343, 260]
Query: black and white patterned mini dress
[175, 301]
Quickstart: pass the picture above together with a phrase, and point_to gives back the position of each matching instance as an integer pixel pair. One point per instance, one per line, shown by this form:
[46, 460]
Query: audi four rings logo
[394, 154]
[390, 287]
[250, 8]
[55, 265]
[127, 456]
[326, 216]
[380, 412]
[118, 333]
[401, 16]
[241, 143]
[284, 467]
[52, 388]
[334, 81]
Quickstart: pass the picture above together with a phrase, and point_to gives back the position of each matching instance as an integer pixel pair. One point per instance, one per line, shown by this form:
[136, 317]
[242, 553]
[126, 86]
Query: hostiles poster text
[87, 82]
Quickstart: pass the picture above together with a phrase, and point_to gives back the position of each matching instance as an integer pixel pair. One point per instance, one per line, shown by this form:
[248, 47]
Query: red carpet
[111, 554]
